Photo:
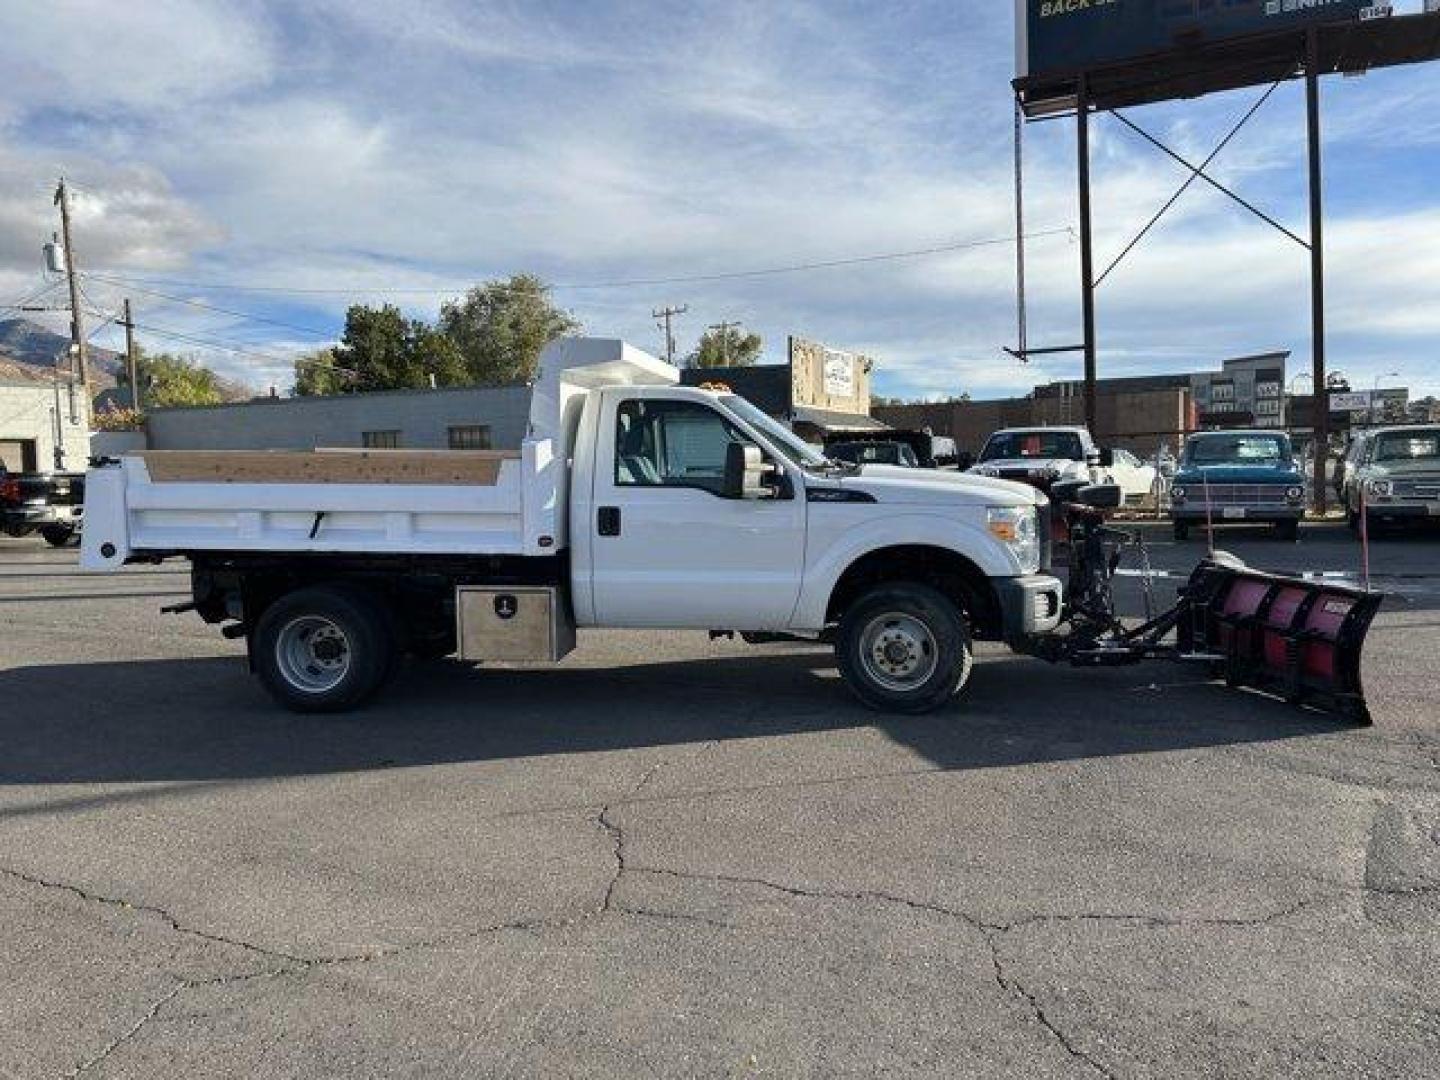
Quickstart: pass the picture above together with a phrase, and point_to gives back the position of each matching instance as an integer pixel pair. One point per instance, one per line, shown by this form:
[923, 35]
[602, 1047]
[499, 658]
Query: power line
[212, 343]
[622, 283]
[211, 307]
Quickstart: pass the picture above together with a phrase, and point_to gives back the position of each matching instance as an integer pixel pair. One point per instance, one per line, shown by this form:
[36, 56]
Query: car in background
[1396, 477]
[929, 451]
[873, 452]
[1238, 477]
[51, 504]
[1135, 477]
[1041, 456]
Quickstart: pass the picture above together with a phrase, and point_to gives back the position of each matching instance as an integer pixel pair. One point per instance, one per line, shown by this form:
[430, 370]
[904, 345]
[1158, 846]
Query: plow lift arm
[1289, 637]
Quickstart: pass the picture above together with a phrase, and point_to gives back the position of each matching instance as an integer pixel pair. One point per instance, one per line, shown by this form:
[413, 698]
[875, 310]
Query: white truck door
[667, 547]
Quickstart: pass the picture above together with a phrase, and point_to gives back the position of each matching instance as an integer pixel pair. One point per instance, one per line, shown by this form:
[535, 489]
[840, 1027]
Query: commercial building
[470, 418]
[1140, 413]
[44, 420]
[818, 390]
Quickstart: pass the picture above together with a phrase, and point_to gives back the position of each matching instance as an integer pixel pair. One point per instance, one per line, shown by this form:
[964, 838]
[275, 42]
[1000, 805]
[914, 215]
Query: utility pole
[1320, 419]
[77, 316]
[132, 358]
[724, 328]
[667, 313]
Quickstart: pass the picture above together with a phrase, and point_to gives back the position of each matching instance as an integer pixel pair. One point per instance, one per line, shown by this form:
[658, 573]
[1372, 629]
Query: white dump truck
[633, 502]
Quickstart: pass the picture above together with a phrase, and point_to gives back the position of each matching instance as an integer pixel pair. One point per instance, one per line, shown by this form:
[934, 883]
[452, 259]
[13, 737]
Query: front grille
[1418, 487]
[1236, 494]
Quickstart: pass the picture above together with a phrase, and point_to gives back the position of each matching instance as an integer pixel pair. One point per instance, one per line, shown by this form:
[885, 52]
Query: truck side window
[662, 443]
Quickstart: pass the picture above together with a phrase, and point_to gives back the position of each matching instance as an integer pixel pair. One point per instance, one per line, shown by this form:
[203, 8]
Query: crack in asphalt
[129, 1033]
[147, 909]
[991, 933]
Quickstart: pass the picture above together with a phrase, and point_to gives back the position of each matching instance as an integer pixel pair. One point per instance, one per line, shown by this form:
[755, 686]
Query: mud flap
[1297, 639]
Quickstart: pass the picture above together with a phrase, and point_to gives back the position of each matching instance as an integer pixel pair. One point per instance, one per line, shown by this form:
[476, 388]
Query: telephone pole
[724, 329]
[668, 313]
[77, 316]
[132, 358]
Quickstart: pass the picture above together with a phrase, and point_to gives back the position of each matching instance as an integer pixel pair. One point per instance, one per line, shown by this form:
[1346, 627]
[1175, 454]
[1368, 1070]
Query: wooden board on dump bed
[455, 467]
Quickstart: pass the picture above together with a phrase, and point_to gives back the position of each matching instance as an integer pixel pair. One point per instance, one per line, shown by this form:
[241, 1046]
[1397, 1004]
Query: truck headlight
[1381, 489]
[1018, 528]
[1295, 493]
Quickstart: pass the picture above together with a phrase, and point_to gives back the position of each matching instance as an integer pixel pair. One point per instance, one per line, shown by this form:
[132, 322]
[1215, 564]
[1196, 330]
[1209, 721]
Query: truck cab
[634, 502]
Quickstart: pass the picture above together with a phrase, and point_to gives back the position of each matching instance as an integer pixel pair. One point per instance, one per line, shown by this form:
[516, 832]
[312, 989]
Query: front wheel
[57, 535]
[904, 648]
[322, 649]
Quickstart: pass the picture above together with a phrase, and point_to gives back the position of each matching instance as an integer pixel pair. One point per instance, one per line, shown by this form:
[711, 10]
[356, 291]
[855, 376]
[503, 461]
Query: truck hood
[1421, 469]
[1238, 474]
[896, 484]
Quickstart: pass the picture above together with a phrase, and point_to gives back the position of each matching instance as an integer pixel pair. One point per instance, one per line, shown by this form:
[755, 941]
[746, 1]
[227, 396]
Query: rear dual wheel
[323, 649]
[57, 535]
[904, 648]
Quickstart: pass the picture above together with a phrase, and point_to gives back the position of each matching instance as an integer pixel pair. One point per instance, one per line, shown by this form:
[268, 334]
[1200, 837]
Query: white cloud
[92, 54]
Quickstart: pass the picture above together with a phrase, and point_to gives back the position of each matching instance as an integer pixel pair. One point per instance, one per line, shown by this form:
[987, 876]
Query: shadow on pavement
[207, 719]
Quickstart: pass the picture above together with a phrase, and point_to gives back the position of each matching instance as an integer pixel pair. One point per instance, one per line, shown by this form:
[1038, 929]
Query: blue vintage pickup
[1230, 477]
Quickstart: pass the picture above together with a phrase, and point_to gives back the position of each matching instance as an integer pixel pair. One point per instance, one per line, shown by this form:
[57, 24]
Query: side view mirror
[746, 473]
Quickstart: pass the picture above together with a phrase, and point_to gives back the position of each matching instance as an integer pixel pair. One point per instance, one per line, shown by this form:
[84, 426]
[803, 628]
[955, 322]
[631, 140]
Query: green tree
[383, 350]
[725, 347]
[319, 373]
[172, 381]
[500, 328]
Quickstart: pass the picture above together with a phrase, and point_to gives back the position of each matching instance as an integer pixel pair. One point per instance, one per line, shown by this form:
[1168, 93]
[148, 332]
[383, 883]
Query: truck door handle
[607, 521]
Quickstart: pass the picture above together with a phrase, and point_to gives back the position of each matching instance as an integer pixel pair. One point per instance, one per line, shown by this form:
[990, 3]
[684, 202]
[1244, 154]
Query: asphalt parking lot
[680, 857]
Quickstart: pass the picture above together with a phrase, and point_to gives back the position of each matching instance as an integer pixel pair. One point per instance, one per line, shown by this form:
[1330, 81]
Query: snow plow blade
[1297, 638]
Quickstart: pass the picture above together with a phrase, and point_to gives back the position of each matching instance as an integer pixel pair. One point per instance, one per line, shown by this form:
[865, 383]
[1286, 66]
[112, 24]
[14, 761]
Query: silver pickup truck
[1395, 477]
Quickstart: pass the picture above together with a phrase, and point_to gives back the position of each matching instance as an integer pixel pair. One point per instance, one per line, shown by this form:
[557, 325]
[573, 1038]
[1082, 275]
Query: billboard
[1059, 37]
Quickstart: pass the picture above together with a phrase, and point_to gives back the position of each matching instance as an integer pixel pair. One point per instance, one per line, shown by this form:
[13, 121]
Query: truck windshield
[1033, 444]
[794, 447]
[1421, 445]
[1237, 450]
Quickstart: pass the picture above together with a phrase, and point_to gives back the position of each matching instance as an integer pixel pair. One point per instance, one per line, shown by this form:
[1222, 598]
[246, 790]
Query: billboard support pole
[1087, 256]
[1321, 411]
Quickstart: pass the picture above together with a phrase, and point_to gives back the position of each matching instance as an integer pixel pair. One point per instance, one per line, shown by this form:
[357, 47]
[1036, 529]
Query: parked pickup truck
[1236, 477]
[633, 502]
[1394, 477]
[51, 504]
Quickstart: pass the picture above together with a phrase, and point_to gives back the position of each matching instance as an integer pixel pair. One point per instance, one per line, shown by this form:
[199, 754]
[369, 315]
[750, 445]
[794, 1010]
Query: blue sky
[400, 151]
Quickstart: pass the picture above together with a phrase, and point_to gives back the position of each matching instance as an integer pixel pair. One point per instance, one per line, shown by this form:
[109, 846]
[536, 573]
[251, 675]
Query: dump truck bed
[404, 501]
[443, 502]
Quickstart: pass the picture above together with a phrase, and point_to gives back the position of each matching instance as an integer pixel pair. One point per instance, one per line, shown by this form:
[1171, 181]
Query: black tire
[57, 535]
[1288, 531]
[1182, 531]
[917, 619]
[325, 648]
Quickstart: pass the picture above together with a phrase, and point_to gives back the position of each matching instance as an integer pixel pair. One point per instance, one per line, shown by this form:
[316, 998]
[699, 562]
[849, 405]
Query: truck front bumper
[1029, 605]
[1232, 514]
[1415, 511]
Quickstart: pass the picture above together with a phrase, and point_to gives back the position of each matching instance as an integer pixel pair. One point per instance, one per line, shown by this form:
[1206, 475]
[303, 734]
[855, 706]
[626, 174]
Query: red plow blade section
[1295, 638]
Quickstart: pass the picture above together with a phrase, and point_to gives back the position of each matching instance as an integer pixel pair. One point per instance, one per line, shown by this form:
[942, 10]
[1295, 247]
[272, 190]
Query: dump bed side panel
[447, 503]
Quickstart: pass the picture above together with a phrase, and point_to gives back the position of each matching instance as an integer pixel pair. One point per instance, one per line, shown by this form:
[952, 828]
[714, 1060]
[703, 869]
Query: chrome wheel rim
[898, 652]
[313, 654]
